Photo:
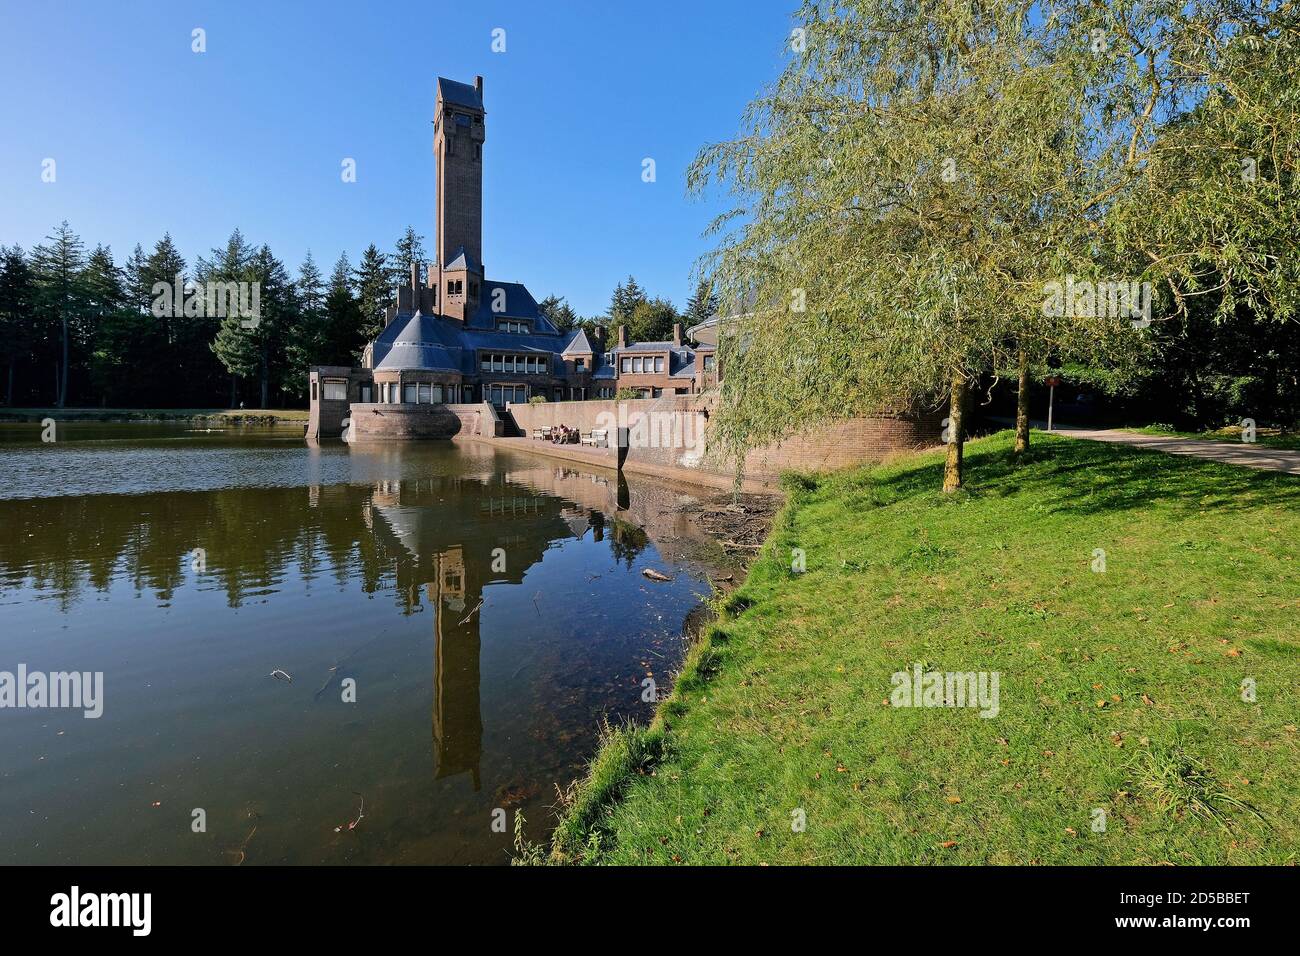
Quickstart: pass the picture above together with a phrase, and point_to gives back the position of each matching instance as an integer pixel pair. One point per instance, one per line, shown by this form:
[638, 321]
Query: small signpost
[1052, 382]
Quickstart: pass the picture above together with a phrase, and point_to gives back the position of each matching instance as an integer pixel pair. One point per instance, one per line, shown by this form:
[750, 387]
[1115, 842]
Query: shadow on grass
[1091, 478]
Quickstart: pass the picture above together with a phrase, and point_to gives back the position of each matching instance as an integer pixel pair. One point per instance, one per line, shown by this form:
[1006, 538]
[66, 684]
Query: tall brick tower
[458, 134]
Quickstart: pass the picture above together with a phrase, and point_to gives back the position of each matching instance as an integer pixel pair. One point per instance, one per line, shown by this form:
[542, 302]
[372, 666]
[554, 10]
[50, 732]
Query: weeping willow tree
[900, 193]
[1205, 199]
[922, 170]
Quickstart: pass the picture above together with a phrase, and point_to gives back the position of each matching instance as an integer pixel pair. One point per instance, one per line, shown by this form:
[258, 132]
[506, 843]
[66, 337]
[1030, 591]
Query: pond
[448, 625]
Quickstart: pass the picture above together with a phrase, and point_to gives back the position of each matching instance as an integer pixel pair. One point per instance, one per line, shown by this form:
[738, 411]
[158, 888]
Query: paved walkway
[1230, 453]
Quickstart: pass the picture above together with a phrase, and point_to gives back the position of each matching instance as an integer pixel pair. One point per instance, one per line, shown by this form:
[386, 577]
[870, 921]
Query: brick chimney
[598, 338]
[415, 275]
[677, 333]
[622, 336]
[478, 85]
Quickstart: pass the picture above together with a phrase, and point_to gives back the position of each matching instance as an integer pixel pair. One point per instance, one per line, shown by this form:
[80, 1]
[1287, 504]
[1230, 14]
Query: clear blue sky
[149, 136]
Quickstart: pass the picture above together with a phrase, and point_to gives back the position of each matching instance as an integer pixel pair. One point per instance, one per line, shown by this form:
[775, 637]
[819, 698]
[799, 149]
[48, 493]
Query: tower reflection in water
[493, 535]
[457, 718]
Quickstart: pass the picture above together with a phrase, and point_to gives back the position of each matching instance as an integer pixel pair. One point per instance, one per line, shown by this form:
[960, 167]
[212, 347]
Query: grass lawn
[128, 414]
[1266, 437]
[1120, 691]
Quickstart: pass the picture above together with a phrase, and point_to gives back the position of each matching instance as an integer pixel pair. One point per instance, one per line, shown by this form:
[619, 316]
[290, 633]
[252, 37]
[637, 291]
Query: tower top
[454, 93]
[459, 131]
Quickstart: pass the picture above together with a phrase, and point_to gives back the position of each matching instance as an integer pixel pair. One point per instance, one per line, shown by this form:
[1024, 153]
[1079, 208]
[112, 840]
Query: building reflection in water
[494, 533]
[457, 718]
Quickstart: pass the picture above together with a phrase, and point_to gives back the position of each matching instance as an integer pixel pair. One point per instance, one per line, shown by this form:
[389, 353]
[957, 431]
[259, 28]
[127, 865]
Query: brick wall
[676, 435]
[374, 422]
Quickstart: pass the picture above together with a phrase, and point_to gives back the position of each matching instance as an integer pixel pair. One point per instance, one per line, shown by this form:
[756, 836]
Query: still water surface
[488, 607]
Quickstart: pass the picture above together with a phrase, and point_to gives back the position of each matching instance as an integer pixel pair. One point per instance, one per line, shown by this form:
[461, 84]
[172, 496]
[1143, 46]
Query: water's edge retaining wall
[384, 422]
[663, 435]
[672, 432]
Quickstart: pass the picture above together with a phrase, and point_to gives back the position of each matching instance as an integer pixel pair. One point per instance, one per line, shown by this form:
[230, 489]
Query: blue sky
[149, 136]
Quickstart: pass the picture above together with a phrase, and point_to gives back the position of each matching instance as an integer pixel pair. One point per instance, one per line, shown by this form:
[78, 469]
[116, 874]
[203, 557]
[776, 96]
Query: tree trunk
[952, 471]
[1022, 406]
[63, 379]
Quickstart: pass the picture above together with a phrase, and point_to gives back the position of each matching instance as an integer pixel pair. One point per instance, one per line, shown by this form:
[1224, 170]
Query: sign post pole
[1052, 382]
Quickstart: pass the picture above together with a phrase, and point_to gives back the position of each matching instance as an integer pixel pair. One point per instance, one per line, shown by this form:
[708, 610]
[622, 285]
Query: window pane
[424, 394]
[627, 365]
[659, 364]
[409, 394]
[636, 365]
[497, 363]
[436, 394]
[486, 363]
[336, 392]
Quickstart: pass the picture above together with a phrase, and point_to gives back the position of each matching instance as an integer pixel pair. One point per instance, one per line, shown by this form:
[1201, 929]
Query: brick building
[455, 336]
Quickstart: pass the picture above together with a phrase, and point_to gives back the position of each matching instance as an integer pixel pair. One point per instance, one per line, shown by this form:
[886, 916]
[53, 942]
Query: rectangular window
[708, 363]
[626, 365]
[409, 393]
[425, 395]
[659, 363]
[498, 363]
[313, 390]
[485, 363]
[392, 393]
[365, 394]
[579, 365]
[336, 391]
[636, 365]
[656, 393]
[436, 394]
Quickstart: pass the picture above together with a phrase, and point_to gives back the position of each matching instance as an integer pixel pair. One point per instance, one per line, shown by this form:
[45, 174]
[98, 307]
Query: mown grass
[1266, 437]
[150, 414]
[1120, 691]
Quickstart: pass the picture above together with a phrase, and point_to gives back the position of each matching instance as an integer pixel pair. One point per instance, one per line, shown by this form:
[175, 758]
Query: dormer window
[579, 365]
[512, 325]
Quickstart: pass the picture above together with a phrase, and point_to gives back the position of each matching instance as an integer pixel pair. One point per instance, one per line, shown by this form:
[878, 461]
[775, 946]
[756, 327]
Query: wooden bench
[542, 434]
[596, 438]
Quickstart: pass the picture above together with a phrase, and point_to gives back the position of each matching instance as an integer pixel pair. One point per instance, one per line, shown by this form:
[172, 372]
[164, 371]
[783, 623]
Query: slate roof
[459, 94]
[414, 340]
[579, 343]
[460, 259]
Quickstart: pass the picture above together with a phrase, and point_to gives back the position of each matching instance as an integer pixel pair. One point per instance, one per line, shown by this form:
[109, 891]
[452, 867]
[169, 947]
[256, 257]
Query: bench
[542, 434]
[596, 438]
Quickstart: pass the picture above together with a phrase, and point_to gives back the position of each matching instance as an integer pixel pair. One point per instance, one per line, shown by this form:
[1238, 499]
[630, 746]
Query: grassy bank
[1265, 437]
[224, 415]
[1120, 691]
